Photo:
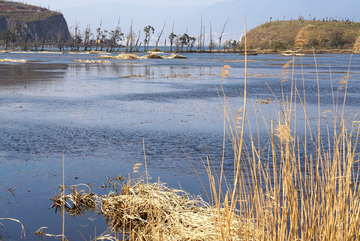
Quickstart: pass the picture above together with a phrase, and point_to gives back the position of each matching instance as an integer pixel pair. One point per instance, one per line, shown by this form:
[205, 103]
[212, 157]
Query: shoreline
[240, 52]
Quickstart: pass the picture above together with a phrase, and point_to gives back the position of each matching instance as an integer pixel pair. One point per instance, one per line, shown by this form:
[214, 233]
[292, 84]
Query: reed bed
[297, 186]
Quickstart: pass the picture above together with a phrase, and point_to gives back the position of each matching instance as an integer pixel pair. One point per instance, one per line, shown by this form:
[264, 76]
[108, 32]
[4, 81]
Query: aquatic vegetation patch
[91, 61]
[13, 60]
[153, 211]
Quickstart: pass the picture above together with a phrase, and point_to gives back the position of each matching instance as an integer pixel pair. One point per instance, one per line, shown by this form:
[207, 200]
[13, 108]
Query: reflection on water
[98, 115]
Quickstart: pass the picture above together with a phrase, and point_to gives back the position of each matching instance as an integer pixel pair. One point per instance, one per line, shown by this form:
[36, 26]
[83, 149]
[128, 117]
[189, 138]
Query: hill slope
[304, 34]
[33, 20]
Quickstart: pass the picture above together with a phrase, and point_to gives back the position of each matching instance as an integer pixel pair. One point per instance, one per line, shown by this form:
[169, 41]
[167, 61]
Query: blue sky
[188, 19]
[155, 3]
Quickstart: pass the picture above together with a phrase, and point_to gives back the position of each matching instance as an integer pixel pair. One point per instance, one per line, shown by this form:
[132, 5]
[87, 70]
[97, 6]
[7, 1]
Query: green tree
[26, 40]
[15, 34]
[115, 37]
[172, 36]
[277, 45]
[6, 36]
[148, 31]
[336, 38]
[184, 40]
[192, 41]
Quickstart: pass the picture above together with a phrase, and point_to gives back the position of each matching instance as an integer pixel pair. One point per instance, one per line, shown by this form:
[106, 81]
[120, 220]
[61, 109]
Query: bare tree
[77, 37]
[200, 36]
[131, 36]
[211, 44]
[43, 37]
[222, 34]
[98, 35]
[60, 40]
[137, 42]
[203, 42]
[161, 32]
[87, 36]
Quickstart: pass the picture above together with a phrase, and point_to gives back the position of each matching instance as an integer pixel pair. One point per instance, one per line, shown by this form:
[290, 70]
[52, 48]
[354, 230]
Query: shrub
[277, 45]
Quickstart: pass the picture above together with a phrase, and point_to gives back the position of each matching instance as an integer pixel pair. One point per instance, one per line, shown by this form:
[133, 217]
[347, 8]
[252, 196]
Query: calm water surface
[99, 114]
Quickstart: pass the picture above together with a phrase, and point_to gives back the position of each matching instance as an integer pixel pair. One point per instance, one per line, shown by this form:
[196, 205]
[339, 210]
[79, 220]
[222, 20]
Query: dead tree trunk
[222, 34]
[161, 32]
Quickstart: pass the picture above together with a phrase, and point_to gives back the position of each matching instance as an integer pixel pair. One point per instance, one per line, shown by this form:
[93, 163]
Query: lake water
[99, 114]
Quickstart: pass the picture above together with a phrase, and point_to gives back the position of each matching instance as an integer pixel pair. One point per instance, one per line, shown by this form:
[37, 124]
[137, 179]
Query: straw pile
[151, 56]
[155, 212]
[120, 56]
[175, 56]
[13, 60]
[91, 61]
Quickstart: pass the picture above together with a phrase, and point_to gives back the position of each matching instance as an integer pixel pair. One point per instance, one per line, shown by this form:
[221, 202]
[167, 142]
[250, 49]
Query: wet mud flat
[99, 114]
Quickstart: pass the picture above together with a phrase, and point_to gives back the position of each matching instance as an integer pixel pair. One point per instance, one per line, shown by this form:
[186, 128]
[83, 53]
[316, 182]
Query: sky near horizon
[63, 4]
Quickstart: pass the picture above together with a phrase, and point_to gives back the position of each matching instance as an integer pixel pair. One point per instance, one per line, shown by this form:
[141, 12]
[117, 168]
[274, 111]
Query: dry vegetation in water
[145, 211]
[135, 56]
[87, 61]
[13, 60]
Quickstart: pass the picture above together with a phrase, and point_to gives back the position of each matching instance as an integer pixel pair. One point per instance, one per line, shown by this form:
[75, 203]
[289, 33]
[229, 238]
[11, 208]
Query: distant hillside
[305, 34]
[33, 20]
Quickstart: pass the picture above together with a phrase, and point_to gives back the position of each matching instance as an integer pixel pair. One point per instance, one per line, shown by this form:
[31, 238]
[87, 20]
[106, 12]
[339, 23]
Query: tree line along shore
[28, 27]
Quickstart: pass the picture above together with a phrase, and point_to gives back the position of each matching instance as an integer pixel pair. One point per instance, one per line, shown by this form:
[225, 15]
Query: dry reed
[13, 60]
[87, 61]
[148, 211]
[120, 56]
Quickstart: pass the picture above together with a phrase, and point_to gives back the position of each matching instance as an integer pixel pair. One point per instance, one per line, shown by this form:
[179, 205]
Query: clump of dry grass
[87, 61]
[120, 56]
[13, 60]
[132, 76]
[183, 76]
[151, 56]
[155, 56]
[144, 211]
[175, 56]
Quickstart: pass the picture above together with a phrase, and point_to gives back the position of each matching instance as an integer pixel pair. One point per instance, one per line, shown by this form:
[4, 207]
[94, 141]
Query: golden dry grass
[143, 211]
[120, 56]
[87, 61]
[13, 60]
